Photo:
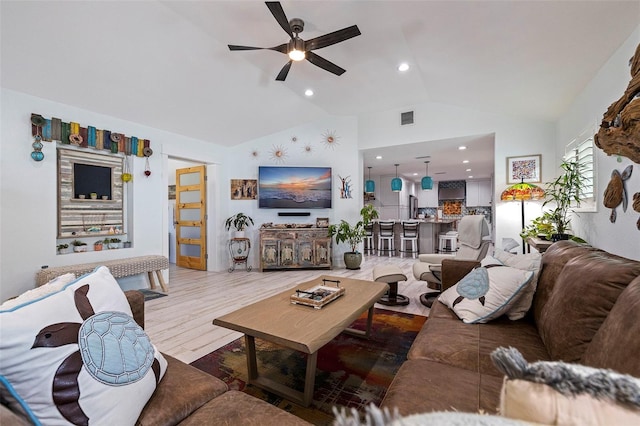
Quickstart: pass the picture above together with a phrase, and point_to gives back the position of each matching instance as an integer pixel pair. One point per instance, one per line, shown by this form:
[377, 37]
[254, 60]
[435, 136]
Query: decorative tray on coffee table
[318, 295]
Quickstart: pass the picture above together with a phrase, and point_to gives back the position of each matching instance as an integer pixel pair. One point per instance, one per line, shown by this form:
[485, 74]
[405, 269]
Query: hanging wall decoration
[330, 139]
[345, 188]
[255, 153]
[278, 154]
[616, 192]
[37, 154]
[72, 133]
[307, 149]
[619, 132]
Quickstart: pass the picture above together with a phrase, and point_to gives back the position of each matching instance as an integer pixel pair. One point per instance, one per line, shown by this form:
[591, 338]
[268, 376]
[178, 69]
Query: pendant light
[369, 185]
[396, 182]
[427, 182]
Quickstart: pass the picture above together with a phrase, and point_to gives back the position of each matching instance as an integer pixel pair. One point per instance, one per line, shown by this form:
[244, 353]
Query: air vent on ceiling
[406, 118]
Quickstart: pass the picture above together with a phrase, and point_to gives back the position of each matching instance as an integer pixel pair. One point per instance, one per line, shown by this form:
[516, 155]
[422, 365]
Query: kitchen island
[427, 233]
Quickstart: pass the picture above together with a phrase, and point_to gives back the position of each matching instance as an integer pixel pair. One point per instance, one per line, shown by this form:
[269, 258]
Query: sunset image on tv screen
[294, 187]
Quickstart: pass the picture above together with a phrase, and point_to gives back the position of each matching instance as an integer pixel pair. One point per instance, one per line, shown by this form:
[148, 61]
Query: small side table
[538, 244]
[239, 249]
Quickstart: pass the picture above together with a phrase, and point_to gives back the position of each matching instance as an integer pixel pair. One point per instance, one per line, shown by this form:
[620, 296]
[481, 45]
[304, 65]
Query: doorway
[187, 214]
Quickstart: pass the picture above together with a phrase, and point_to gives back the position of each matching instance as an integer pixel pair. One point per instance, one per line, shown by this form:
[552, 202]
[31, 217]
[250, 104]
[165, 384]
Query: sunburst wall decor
[330, 139]
[307, 149]
[278, 153]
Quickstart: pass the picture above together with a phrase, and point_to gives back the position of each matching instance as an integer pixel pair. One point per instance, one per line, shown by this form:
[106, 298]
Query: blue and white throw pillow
[76, 356]
[486, 292]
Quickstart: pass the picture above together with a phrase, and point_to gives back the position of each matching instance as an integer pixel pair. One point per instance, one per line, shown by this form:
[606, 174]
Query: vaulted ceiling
[166, 64]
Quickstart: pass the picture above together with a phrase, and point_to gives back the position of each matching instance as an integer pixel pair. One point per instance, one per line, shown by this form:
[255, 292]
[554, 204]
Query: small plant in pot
[63, 248]
[564, 193]
[239, 222]
[353, 235]
[78, 246]
[114, 243]
[97, 246]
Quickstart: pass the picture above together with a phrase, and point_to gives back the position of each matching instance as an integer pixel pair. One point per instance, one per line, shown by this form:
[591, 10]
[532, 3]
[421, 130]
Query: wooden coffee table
[301, 328]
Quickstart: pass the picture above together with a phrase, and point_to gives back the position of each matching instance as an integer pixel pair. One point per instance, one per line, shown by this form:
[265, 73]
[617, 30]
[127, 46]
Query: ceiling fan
[298, 49]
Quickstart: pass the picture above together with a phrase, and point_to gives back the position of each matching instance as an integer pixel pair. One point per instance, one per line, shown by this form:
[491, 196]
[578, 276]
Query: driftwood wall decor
[619, 132]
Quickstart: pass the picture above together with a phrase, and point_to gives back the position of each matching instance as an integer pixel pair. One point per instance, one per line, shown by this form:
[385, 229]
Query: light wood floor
[180, 324]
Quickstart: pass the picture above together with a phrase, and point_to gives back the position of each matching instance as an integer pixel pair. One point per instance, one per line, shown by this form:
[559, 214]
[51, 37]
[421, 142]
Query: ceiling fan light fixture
[296, 55]
[296, 49]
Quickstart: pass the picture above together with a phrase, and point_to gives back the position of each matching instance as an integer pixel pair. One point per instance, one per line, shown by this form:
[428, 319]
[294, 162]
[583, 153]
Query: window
[581, 149]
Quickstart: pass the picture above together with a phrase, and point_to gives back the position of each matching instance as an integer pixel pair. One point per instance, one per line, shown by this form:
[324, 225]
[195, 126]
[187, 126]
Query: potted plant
[540, 227]
[126, 244]
[564, 193]
[97, 246]
[353, 235]
[239, 222]
[63, 248]
[79, 246]
[114, 243]
[368, 213]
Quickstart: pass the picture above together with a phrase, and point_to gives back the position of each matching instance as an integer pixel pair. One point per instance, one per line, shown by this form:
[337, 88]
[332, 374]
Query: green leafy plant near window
[564, 194]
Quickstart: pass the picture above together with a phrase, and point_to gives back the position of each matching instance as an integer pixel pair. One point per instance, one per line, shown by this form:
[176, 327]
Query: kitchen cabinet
[479, 193]
[428, 198]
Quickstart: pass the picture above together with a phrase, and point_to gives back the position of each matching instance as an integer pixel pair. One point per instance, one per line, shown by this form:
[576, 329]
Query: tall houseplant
[239, 222]
[564, 193]
[368, 213]
[352, 235]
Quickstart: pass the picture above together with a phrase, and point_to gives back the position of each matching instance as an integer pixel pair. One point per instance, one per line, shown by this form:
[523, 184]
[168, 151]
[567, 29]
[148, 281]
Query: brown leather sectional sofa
[586, 310]
[188, 396]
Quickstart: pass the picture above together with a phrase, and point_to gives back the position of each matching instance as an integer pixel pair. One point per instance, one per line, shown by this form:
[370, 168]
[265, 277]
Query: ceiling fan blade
[233, 47]
[276, 10]
[283, 48]
[324, 64]
[332, 38]
[282, 75]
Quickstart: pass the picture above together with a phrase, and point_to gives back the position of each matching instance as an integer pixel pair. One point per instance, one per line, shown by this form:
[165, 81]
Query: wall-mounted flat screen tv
[294, 187]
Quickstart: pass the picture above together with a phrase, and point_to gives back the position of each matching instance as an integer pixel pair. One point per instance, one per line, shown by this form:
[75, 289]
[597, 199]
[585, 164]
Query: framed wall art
[244, 189]
[526, 168]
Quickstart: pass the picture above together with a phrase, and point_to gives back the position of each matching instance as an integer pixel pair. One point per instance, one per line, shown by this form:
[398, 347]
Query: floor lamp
[522, 192]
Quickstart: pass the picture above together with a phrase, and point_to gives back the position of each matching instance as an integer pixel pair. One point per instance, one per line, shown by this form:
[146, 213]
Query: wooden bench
[119, 268]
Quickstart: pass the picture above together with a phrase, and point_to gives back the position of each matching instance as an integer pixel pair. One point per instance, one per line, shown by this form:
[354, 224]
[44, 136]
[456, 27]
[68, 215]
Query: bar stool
[386, 234]
[409, 234]
[369, 248]
[448, 242]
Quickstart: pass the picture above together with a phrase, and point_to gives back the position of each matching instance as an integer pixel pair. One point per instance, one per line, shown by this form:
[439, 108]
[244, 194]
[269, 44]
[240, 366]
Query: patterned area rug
[351, 372]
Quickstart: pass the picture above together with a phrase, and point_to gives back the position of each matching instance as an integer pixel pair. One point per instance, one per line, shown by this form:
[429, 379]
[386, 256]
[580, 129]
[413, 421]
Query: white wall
[514, 136]
[28, 209]
[343, 158]
[621, 237]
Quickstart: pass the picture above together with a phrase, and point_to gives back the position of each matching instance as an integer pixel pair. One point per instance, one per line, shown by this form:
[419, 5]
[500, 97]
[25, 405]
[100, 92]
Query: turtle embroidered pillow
[76, 356]
[486, 292]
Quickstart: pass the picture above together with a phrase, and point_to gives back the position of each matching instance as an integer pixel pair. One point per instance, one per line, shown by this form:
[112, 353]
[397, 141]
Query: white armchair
[474, 239]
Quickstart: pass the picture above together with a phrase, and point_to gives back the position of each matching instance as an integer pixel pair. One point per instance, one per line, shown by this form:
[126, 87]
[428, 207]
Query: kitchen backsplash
[431, 211]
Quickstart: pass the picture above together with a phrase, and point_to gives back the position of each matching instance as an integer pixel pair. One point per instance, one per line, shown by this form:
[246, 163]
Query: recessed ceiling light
[378, 157]
[465, 161]
[403, 67]
[415, 174]
[462, 147]
[468, 170]
[308, 92]
[470, 177]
